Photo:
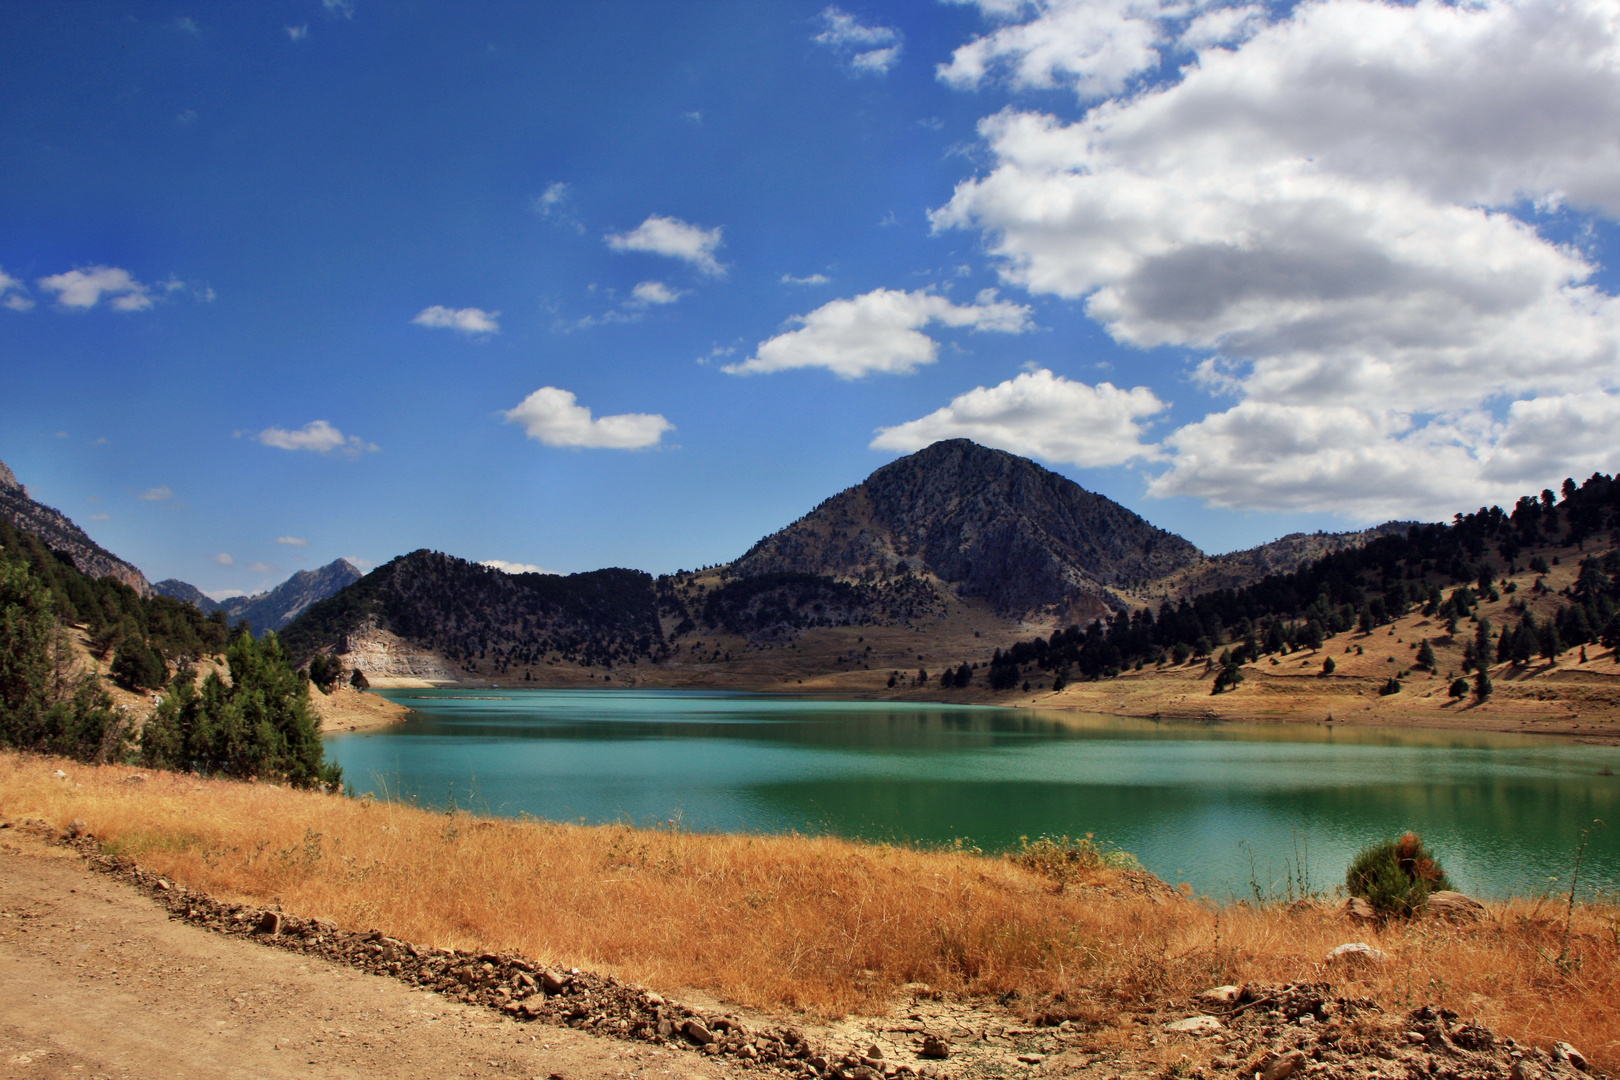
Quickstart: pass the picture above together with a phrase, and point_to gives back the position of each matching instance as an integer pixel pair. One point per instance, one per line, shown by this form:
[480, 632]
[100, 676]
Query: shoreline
[1357, 709]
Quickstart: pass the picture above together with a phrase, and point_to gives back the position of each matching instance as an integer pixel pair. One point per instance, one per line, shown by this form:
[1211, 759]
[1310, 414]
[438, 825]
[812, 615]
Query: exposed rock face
[379, 653]
[989, 523]
[281, 605]
[60, 534]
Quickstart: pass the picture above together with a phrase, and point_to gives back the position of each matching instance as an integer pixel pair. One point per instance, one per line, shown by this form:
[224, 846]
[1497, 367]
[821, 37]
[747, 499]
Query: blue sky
[284, 282]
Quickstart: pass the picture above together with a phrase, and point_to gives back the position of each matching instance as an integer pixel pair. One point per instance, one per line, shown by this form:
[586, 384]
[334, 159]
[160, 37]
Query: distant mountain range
[60, 534]
[954, 531]
[266, 611]
[276, 608]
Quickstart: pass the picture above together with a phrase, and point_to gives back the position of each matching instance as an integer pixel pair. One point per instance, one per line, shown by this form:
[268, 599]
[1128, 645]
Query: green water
[1225, 808]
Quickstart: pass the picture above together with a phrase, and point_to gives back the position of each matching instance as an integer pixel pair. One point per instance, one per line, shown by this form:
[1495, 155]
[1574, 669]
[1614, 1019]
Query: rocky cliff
[60, 534]
[985, 522]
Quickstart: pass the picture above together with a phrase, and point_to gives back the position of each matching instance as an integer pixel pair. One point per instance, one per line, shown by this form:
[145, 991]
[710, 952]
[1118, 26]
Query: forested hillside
[1444, 569]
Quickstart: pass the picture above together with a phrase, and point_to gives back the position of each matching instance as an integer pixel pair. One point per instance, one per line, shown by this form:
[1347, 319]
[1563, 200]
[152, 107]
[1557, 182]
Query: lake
[1227, 808]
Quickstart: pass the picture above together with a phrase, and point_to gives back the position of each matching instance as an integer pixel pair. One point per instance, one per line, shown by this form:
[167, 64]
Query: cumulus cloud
[808, 279]
[261, 568]
[1328, 206]
[513, 567]
[317, 436]
[1039, 414]
[469, 320]
[555, 417]
[341, 9]
[297, 33]
[224, 559]
[83, 289]
[292, 541]
[651, 293]
[877, 332]
[156, 494]
[13, 293]
[867, 49]
[675, 238]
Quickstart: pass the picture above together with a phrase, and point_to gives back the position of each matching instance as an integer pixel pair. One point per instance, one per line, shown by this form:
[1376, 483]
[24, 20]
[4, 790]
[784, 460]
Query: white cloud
[556, 205]
[811, 279]
[224, 559]
[556, 418]
[339, 8]
[468, 320]
[318, 436]
[100, 517]
[13, 293]
[1093, 46]
[156, 494]
[674, 238]
[649, 293]
[1039, 414]
[1324, 206]
[292, 541]
[877, 332]
[83, 289]
[297, 33]
[188, 25]
[867, 49]
[513, 567]
[261, 568]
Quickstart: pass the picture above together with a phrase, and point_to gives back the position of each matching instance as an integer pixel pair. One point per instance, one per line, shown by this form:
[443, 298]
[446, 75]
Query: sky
[564, 286]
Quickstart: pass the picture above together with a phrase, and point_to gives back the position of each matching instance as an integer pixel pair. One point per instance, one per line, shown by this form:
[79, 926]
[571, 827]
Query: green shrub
[1396, 876]
[1063, 859]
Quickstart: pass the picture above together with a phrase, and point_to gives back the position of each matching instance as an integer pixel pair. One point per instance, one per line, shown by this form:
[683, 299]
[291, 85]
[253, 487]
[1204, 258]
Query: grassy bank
[812, 923]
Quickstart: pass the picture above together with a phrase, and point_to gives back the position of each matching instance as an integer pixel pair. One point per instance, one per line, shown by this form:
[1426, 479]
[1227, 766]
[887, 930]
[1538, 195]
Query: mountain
[473, 616]
[273, 610]
[987, 524]
[950, 548]
[60, 534]
[270, 610]
[186, 593]
[1236, 569]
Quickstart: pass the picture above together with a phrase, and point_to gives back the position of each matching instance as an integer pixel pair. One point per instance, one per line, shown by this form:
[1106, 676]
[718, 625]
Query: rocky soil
[1269, 1032]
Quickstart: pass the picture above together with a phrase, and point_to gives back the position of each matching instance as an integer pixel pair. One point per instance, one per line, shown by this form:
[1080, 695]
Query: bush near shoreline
[815, 923]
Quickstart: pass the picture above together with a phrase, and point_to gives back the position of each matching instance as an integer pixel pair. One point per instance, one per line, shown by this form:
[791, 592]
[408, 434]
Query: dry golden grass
[809, 923]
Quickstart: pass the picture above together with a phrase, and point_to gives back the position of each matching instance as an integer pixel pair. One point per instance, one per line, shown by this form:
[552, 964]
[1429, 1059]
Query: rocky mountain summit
[988, 523]
[275, 608]
[61, 534]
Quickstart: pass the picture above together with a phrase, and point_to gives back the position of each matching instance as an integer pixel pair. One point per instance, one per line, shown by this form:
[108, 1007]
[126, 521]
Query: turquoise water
[1226, 808]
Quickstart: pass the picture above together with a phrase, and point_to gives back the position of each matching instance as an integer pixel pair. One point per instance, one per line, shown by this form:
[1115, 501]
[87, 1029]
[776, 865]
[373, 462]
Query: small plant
[1393, 686]
[1459, 689]
[1063, 859]
[1328, 665]
[1396, 876]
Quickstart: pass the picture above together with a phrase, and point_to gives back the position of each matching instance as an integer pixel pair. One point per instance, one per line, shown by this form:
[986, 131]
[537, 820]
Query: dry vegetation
[818, 924]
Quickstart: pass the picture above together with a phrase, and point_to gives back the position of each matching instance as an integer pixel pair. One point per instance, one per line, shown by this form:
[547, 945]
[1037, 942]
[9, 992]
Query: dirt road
[97, 981]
